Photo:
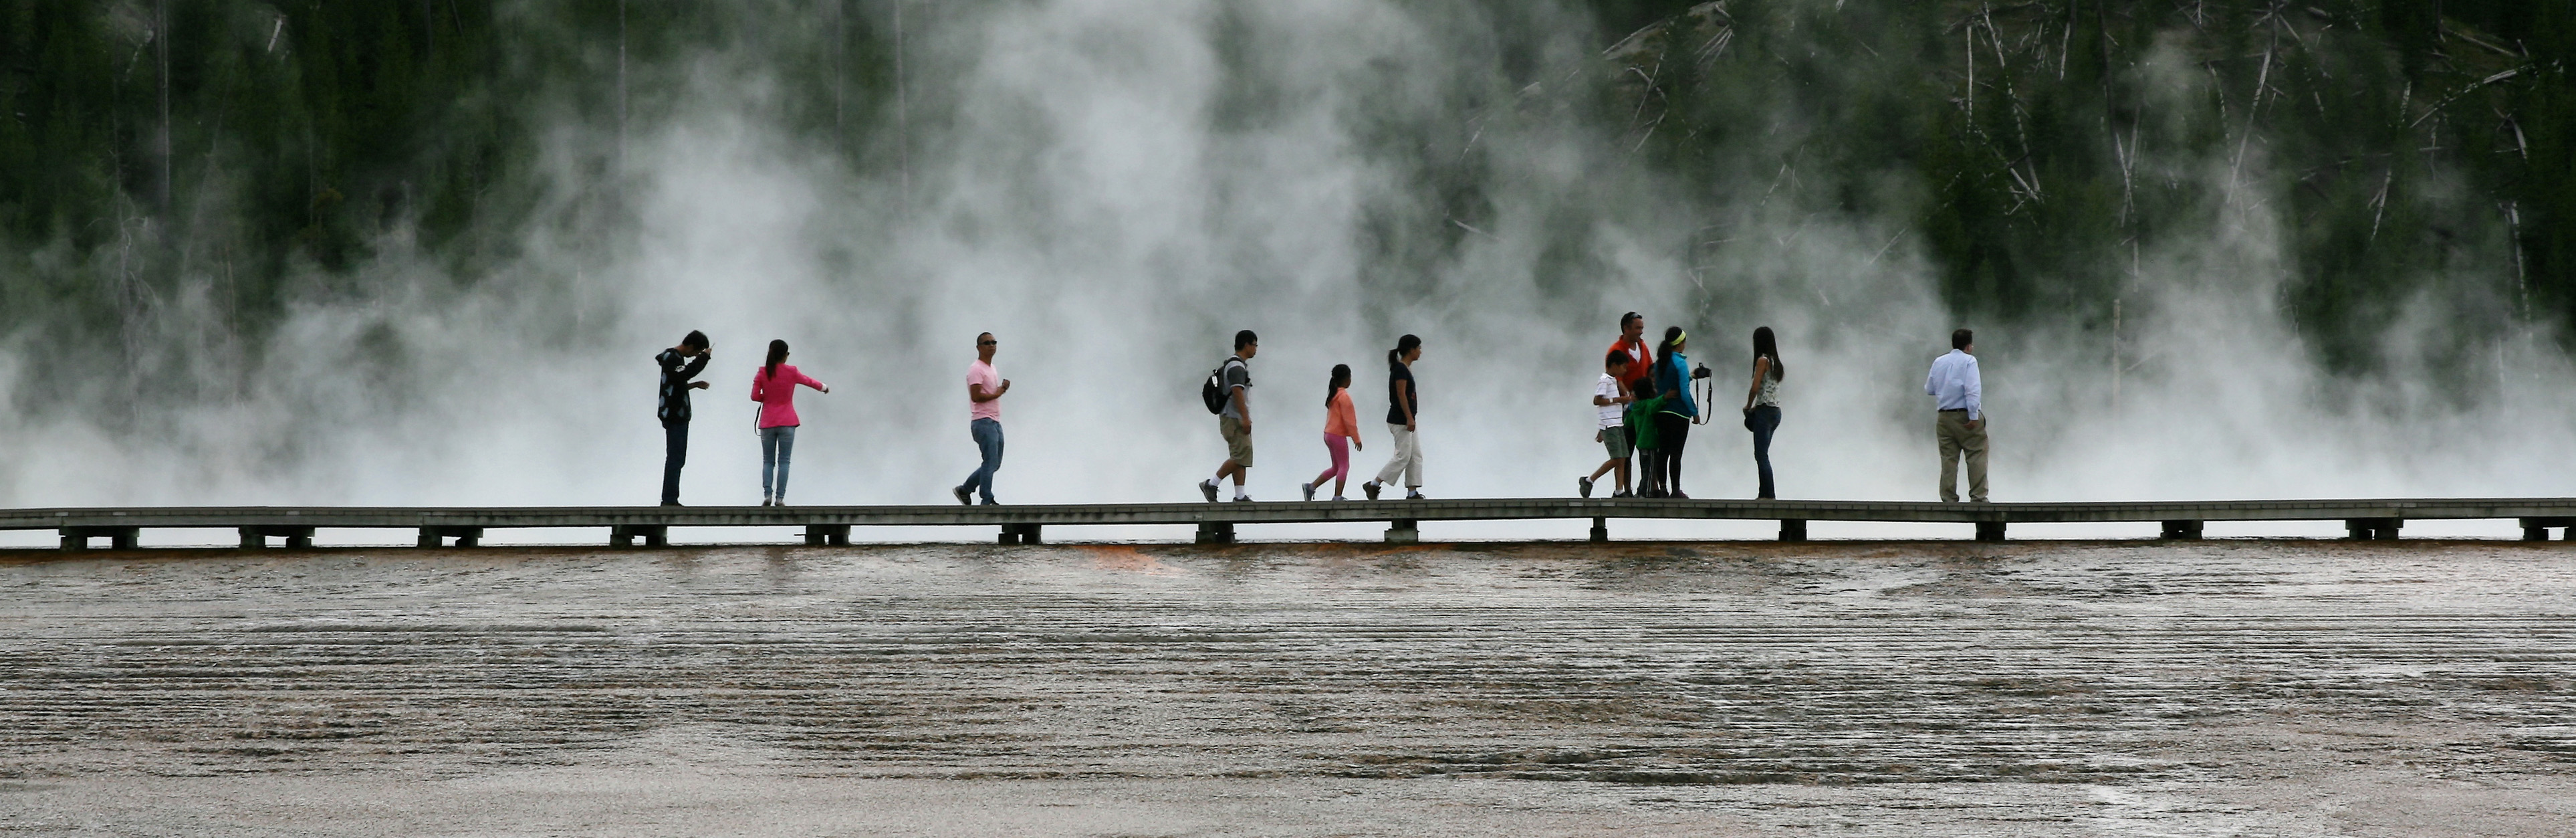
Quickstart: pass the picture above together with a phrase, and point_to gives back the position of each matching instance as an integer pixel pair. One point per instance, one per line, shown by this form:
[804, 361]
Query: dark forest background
[263, 152]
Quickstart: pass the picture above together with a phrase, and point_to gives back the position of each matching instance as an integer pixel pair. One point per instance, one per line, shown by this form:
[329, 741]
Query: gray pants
[1956, 438]
[776, 445]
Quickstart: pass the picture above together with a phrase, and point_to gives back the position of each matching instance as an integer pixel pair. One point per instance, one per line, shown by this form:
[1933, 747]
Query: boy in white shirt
[1610, 397]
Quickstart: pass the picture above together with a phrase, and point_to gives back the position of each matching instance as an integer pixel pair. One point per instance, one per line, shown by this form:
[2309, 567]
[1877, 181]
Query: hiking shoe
[962, 496]
[1308, 489]
[1371, 488]
[1208, 487]
[1583, 485]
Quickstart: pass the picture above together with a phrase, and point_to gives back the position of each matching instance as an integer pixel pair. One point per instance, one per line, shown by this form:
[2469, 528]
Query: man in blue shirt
[1954, 383]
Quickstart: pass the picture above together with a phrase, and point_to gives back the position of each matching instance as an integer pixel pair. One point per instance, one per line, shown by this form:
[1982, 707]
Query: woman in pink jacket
[774, 387]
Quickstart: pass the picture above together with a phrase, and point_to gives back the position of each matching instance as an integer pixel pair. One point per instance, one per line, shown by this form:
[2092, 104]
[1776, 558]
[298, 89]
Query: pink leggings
[1341, 447]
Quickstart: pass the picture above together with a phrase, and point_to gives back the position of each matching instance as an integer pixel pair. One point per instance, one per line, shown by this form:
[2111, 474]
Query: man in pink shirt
[984, 389]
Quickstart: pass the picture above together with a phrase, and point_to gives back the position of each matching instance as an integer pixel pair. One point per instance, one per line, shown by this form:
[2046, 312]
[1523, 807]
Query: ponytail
[777, 353]
[1341, 378]
[1402, 345]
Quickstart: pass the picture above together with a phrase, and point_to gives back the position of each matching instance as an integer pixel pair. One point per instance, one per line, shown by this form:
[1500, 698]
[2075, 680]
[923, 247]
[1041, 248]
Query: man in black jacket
[679, 364]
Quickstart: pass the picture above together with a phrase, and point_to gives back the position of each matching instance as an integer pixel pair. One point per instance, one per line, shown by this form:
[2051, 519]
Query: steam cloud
[1113, 188]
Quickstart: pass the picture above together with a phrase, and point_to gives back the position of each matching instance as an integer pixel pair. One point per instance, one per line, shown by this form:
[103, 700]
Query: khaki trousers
[1956, 438]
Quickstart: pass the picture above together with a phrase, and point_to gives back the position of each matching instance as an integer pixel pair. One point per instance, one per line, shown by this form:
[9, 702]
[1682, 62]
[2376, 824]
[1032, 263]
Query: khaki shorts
[1238, 444]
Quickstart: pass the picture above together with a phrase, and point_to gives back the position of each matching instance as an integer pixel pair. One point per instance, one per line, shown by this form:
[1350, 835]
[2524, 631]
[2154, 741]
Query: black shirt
[1399, 384]
[677, 369]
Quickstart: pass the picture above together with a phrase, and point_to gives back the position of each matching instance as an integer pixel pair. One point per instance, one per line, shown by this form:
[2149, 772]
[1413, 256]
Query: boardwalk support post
[2372, 529]
[1403, 531]
[1793, 529]
[2537, 529]
[2182, 530]
[1215, 533]
[256, 537]
[434, 536]
[624, 535]
[832, 535]
[1990, 530]
[1600, 529]
[1026, 534]
[118, 538]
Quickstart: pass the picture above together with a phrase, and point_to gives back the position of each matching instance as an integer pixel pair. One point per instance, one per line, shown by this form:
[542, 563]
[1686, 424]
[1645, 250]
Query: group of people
[1643, 399]
[774, 385]
[1647, 409]
[1229, 394]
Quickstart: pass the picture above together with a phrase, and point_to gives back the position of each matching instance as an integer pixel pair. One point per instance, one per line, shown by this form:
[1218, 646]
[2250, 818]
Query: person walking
[1762, 405]
[984, 389]
[1341, 432]
[1610, 398]
[1673, 416]
[679, 364]
[1234, 422]
[1959, 393]
[1404, 405]
[774, 387]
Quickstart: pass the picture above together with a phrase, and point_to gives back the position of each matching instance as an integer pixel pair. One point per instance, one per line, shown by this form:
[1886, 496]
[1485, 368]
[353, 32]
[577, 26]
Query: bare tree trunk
[840, 74]
[620, 162]
[902, 119]
[161, 50]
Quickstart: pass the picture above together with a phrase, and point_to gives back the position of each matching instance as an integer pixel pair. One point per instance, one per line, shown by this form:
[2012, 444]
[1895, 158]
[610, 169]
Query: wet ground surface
[2051, 688]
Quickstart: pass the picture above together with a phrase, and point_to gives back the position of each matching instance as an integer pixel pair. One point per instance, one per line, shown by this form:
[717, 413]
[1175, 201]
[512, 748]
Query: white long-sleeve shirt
[1954, 383]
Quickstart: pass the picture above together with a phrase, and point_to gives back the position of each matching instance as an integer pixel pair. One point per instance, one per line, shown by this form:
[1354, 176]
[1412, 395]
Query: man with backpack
[1228, 394]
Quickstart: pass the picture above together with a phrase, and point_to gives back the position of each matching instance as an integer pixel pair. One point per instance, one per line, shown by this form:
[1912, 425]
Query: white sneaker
[1308, 489]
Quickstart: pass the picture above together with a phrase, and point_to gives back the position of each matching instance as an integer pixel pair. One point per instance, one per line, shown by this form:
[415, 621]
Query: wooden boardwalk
[1216, 522]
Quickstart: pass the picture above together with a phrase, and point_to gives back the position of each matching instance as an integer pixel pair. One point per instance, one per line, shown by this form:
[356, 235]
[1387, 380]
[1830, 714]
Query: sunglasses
[985, 343]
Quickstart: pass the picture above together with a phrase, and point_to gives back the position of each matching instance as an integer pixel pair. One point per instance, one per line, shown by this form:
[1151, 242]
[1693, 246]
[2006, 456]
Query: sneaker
[1416, 494]
[1339, 499]
[765, 502]
[1583, 485]
[991, 502]
[670, 503]
[962, 497]
[781, 502]
[1308, 489]
[1208, 487]
[1679, 495]
[1623, 493]
[1242, 499]
[1371, 488]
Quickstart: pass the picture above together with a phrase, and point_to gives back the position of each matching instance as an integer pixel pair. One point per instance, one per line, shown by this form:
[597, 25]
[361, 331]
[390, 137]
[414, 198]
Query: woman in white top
[1762, 404]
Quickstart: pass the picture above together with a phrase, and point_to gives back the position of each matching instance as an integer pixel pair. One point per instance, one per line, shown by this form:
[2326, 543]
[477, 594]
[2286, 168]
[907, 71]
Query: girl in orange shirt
[1341, 432]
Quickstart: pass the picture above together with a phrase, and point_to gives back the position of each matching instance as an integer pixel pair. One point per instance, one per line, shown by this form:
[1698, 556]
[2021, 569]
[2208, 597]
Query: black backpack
[1213, 391]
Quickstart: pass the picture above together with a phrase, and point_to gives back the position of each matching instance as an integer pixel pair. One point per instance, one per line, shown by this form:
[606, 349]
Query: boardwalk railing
[2363, 519]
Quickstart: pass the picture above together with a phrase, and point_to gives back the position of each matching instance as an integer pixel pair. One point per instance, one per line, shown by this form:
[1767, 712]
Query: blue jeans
[1764, 422]
[988, 439]
[675, 453]
[776, 445]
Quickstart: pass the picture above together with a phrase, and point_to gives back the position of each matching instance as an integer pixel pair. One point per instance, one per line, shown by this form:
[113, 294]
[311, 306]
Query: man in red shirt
[1641, 368]
[1632, 331]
